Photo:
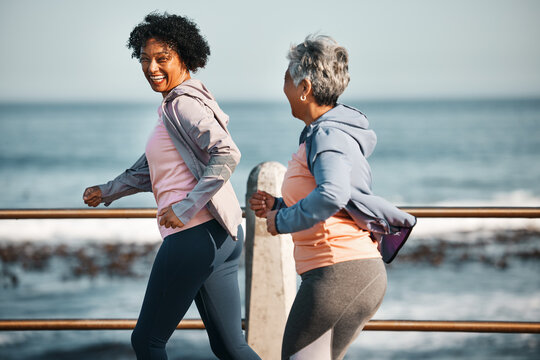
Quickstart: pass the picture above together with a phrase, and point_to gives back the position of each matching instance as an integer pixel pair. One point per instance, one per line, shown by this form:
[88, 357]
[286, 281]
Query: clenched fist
[92, 196]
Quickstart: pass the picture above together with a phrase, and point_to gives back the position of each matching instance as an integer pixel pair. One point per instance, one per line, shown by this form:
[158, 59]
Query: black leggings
[201, 264]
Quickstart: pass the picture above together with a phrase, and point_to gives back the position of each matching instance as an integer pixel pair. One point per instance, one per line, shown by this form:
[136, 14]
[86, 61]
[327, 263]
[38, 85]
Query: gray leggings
[332, 306]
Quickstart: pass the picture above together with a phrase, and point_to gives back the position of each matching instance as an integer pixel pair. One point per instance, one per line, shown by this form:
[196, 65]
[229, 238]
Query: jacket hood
[196, 89]
[349, 120]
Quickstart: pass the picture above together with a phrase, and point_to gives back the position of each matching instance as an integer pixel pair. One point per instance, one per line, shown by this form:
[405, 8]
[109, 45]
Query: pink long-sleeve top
[171, 178]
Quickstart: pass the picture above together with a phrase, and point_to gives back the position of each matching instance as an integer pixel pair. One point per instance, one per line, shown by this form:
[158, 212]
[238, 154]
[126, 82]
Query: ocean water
[429, 153]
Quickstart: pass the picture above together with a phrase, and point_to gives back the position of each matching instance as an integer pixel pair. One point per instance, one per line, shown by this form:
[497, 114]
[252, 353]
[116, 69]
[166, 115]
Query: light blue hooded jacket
[337, 147]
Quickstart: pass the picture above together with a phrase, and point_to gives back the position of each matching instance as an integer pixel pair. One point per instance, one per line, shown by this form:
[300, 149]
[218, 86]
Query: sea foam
[145, 230]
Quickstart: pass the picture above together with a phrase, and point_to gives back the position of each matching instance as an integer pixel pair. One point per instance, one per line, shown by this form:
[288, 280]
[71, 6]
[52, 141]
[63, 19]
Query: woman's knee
[219, 351]
[232, 350]
[138, 341]
[147, 346]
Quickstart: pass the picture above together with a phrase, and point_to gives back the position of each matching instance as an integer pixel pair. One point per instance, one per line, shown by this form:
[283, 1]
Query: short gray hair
[321, 60]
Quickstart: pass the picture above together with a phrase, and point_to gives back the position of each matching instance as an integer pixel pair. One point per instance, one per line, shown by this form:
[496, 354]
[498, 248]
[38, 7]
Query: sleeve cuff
[276, 222]
[278, 204]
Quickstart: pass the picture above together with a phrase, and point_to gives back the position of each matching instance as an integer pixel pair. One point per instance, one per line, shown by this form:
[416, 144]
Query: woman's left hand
[168, 218]
[271, 222]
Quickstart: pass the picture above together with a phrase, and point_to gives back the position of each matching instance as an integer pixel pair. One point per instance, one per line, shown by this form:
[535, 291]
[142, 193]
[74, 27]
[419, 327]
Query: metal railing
[197, 324]
[424, 212]
[374, 325]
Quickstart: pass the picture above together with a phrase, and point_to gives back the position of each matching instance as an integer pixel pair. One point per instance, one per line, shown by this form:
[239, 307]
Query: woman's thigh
[220, 306]
[182, 265]
[331, 307]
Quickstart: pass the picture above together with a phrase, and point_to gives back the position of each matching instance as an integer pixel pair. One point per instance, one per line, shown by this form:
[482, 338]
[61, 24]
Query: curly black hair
[178, 32]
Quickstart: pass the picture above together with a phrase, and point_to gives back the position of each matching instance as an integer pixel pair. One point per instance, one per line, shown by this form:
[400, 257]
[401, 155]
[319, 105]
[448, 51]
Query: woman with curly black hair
[188, 161]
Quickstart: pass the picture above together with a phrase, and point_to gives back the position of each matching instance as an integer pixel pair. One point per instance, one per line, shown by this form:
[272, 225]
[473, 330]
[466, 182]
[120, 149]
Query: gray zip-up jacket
[198, 129]
[337, 147]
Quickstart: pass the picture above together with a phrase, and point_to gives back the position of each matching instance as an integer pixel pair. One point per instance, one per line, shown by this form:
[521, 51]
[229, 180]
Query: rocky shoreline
[91, 260]
[496, 250]
[133, 260]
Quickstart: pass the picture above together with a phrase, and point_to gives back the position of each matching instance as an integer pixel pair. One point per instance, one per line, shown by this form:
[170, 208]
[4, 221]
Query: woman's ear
[305, 87]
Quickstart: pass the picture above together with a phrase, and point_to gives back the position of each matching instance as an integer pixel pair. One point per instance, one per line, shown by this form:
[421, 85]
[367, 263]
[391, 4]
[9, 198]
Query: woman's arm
[332, 173]
[208, 135]
[133, 180]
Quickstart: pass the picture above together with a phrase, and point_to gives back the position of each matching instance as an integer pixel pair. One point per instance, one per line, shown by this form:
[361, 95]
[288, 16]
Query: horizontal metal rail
[474, 212]
[77, 213]
[374, 325]
[84, 324]
[424, 212]
[197, 324]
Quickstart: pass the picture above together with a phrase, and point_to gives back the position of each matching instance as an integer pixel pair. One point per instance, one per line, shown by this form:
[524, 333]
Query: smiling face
[162, 66]
[293, 94]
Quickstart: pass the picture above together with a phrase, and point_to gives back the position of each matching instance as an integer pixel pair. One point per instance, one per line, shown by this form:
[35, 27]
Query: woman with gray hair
[341, 231]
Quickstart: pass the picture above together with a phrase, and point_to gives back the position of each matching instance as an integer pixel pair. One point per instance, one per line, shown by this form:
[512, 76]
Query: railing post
[270, 271]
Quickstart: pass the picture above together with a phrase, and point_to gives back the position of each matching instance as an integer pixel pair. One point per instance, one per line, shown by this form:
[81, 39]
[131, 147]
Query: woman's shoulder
[342, 136]
[192, 88]
[187, 109]
[326, 137]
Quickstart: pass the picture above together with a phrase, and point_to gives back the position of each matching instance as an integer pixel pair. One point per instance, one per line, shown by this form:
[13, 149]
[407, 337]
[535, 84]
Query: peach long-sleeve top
[334, 240]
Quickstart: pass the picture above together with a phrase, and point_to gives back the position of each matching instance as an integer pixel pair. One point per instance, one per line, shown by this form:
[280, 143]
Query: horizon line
[4, 102]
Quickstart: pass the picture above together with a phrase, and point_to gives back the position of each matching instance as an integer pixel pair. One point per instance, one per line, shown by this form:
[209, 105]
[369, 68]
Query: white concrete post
[270, 271]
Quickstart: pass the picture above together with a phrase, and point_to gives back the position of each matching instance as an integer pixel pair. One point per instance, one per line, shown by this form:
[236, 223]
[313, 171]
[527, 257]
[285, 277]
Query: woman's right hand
[261, 203]
[92, 196]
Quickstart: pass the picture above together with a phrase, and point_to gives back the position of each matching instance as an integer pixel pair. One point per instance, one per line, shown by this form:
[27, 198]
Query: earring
[303, 97]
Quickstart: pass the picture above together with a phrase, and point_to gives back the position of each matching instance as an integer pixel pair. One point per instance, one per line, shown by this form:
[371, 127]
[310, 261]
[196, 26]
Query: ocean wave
[80, 231]
[517, 197]
[75, 231]
[437, 227]
[83, 231]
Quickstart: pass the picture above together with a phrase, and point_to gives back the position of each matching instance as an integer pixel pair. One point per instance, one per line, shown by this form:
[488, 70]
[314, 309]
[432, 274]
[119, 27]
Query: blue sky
[69, 50]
